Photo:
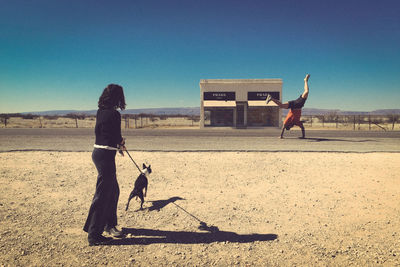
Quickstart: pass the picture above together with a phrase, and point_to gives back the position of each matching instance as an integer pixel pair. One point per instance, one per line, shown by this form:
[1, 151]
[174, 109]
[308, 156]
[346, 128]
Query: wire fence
[128, 121]
[153, 121]
[353, 122]
[390, 122]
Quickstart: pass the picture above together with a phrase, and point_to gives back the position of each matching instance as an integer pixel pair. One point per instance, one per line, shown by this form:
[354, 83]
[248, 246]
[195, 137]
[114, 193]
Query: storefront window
[263, 116]
[218, 117]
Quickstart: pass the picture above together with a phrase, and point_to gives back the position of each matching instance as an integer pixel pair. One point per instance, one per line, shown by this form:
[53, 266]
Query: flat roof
[241, 81]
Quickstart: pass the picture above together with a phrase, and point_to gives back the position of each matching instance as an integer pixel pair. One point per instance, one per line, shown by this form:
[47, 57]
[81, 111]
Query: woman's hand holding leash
[121, 147]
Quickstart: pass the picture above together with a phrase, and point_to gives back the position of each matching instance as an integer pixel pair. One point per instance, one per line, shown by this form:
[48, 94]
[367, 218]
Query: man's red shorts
[293, 118]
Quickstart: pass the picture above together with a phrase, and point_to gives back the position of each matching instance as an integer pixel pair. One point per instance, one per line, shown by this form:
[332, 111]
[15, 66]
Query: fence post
[76, 121]
[323, 120]
[311, 121]
[369, 122]
[135, 122]
[40, 121]
[354, 125]
[141, 121]
[393, 119]
[359, 118]
[336, 121]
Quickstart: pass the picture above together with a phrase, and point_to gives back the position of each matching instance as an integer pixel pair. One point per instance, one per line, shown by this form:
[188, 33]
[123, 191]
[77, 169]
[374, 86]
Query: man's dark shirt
[298, 103]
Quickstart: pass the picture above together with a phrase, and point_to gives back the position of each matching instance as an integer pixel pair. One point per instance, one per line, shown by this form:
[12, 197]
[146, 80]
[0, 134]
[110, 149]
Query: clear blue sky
[57, 54]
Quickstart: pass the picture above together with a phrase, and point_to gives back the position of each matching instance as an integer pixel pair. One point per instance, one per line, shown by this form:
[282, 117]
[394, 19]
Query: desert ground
[271, 208]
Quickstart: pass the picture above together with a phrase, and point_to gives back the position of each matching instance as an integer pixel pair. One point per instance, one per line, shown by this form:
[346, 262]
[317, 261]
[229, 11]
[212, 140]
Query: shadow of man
[336, 140]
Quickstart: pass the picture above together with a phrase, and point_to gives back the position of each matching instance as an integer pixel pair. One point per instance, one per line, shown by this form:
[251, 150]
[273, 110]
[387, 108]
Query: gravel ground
[277, 209]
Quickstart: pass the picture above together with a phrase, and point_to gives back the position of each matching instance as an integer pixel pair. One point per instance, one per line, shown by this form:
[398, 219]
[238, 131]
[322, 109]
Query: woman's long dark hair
[112, 97]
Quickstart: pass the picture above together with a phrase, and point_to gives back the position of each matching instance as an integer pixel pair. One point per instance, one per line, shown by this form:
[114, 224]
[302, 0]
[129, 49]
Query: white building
[240, 103]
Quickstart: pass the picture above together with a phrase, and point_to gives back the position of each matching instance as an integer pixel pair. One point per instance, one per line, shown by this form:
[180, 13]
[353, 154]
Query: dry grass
[381, 123]
[89, 122]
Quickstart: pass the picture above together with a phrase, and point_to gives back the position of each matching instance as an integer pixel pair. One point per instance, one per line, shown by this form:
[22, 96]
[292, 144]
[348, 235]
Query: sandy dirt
[270, 208]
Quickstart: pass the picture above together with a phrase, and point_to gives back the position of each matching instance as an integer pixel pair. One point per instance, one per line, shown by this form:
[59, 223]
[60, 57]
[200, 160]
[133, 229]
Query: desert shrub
[153, 119]
[193, 118]
[393, 118]
[377, 120]
[320, 118]
[362, 119]
[331, 117]
[10, 115]
[387, 118]
[51, 117]
[75, 116]
[4, 117]
[28, 116]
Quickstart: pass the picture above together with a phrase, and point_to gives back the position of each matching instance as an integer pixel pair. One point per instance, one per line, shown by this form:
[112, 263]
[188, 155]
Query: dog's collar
[145, 172]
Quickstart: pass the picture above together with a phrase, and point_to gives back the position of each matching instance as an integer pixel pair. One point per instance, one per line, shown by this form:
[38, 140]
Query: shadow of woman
[149, 236]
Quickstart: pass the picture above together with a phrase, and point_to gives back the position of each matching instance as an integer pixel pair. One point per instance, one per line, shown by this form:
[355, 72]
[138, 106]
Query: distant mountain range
[195, 111]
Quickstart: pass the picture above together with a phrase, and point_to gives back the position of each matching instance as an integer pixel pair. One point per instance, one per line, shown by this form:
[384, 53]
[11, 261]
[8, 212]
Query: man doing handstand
[293, 117]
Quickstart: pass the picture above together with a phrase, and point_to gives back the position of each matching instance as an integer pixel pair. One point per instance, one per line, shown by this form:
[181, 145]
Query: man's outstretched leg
[304, 96]
[286, 104]
[280, 105]
[305, 93]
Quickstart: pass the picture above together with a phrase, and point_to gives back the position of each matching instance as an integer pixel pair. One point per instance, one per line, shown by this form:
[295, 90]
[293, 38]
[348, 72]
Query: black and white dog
[140, 185]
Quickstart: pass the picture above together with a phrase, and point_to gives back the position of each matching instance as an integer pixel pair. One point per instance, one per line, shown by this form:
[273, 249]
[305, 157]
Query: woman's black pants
[103, 210]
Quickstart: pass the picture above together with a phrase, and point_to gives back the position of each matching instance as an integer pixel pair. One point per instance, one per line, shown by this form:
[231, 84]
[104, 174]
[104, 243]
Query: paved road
[218, 139]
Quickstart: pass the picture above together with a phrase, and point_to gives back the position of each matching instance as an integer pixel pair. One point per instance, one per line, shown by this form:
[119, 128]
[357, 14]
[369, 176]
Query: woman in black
[103, 210]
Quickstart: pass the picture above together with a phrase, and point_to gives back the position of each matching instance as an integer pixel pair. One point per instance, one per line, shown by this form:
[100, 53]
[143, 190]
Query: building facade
[239, 103]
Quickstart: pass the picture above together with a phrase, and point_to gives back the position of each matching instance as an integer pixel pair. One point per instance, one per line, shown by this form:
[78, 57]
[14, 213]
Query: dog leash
[203, 225]
[127, 152]
[137, 166]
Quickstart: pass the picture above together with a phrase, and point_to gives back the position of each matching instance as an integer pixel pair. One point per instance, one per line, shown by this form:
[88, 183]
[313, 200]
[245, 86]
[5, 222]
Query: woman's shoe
[114, 232]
